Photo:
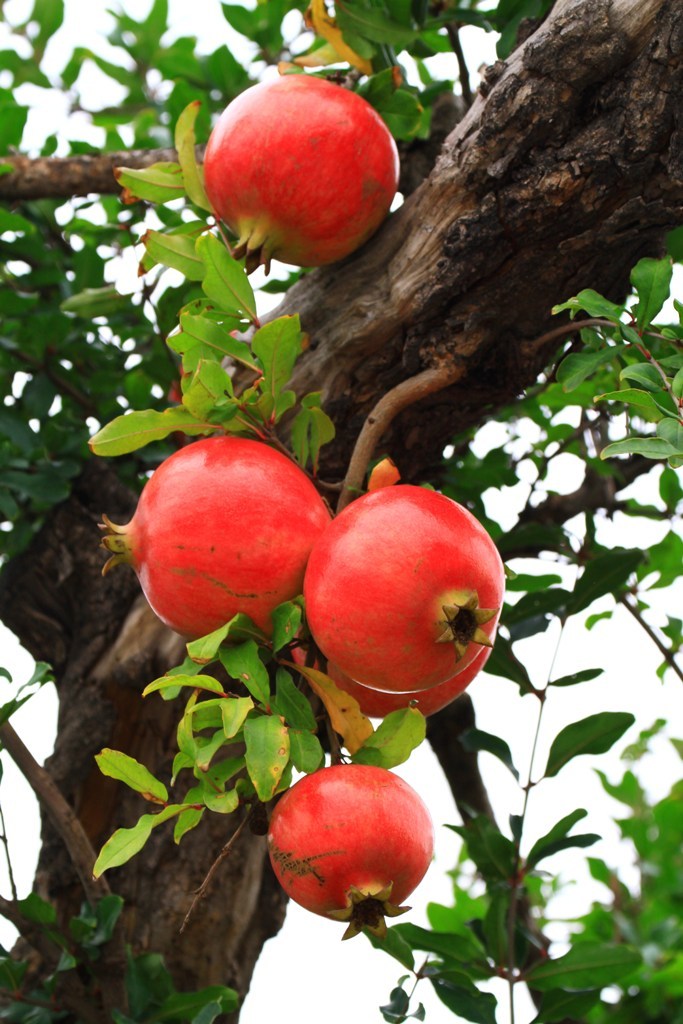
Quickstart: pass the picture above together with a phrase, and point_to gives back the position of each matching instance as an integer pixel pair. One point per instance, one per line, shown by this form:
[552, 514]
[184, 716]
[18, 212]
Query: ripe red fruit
[377, 703]
[351, 842]
[402, 588]
[301, 170]
[224, 525]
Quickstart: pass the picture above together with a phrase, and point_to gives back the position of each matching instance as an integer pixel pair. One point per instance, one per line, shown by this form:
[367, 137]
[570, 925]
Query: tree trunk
[567, 168]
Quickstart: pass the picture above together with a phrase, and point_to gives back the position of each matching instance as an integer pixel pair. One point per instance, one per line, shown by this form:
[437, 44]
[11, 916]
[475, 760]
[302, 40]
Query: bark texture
[567, 168]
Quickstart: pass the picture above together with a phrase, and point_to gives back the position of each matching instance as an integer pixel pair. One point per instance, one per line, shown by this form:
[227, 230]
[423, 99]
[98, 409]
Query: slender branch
[453, 32]
[666, 653]
[5, 842]
[389, 406]
[200, 893]
[59, 812]
[63, 177]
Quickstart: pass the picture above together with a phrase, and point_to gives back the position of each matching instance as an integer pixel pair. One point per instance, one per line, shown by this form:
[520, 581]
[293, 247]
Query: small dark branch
[203, 888]
[64, 386]
[665, 651]
[461, 767]
[389, 406]
[59, 812]
[453, 30]
[63, 177]
[5, 843]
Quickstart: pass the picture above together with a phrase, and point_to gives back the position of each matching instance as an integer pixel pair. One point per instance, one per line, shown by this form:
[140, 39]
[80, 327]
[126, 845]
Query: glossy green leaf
[126, 769]
[592, 303]
[243, 663]
[608, 573]
[226, 282]
[199, 682]
[177, 251]
[136, 429]
[631, 396]
[558, 838]
[267, 753]
[650, 447]
[193, 177]
[311, 429]
[286, 622]
[186, 821]
[395, 946]
[476, 740]
[586, 965]
[558, 1006]
[394, 740]
[644, 374]
[579, 366]
[652, 281]
[293, 705]
[205, 649]
[468, 1003]
[577, 677]
[208, 394]
[593, 735]
[234, 712]
[492, 852]
[126, 842]
[278, 346]
[159, 183]
[203, 338]
[305, 751]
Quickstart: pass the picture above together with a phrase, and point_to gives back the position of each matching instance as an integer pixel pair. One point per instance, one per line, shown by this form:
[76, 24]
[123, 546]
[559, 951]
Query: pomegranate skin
[380, 581]
[378, 703]
[301, 170]
[224, 525]
[349, 825]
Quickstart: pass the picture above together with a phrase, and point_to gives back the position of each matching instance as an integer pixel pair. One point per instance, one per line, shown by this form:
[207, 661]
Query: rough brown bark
[567, 169]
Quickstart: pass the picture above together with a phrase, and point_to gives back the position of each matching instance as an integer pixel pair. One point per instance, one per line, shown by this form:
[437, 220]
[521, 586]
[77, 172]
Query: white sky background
[306, 969]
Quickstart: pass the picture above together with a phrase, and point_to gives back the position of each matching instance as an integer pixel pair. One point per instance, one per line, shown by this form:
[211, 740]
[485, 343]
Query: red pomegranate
[301, 170]
[351, 842]
[402, 588]
[225, 525]
[377, 703]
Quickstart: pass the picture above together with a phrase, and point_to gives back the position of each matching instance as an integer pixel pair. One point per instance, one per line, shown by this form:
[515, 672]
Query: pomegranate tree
[351, 842]
[225, 525]
[301, 170]
[403, 588]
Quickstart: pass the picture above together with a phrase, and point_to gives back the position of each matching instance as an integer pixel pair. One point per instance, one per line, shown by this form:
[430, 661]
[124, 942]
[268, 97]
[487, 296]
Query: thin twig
[666, 653]
[200, 893]
[389, 406]
[5, 842]
[453, 31]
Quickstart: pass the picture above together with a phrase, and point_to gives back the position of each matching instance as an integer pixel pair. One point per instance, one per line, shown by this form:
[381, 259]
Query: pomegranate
[402, 588]
[377, 703]
[225, 525]
[301, 170]
[351, 842]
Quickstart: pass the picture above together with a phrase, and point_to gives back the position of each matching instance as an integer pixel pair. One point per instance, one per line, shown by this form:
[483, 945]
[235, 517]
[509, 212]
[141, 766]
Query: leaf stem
[666, 652]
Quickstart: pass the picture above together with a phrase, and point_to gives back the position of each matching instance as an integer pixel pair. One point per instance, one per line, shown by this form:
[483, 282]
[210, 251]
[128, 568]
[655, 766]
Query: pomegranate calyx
[116, 541]
[367, 910]
[253, 246]
[463, 621]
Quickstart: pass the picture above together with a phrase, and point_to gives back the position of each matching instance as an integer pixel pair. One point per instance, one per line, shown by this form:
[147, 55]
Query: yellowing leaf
[384, 474]
[345, 714]
[326, 27]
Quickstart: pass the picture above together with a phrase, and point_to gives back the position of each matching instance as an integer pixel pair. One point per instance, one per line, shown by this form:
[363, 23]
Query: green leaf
[476, 740]
[278, 346]
[159, 183]
[94, 302]
[226, 282]
[205, 649]
[644, 374]
[577, 677]
[593, 735]
[557, 1005]
[311, 429]
[586, 965]
[243, 662]
[48, 15]
[305, 751]
[234, 712]
[579, 366]
[286, 622]
[394, 945]
[267, 753]
[492, 852]
[652, 281]
[608, 573]
[394, 739]
[126, 769]
[650, 447]
[468, 1003]
[175, 250]
[208, 394]
[198, 682]
[182, 1005]
[558, 839]
[136, 429]
[291, 704]
[594, 304]
[126, 842]
[631, 396]
[186, 821]
[203, 338]
[33, 908]
[184, 143]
